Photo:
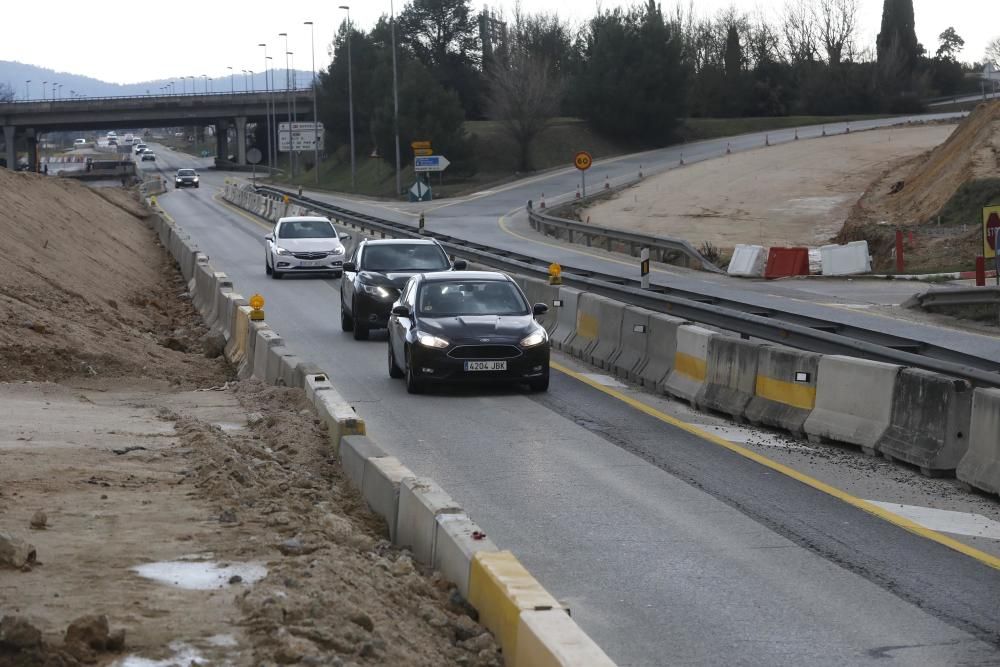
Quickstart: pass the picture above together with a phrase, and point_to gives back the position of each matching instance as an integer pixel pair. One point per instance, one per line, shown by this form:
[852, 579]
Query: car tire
[394, 371]
[346, 321]
[276, 274]
[413, 385]
[360, 330]
[196, 186]
[338, 274]
[540, 384]
[267, 266]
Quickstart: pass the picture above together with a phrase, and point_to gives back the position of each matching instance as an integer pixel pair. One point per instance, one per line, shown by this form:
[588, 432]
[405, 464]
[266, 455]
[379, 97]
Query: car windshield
[306, 229]
[482, 297]
[187, 172]
[404, 257]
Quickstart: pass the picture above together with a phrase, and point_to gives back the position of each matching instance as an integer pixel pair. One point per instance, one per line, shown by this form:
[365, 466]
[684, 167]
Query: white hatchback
[304, 245]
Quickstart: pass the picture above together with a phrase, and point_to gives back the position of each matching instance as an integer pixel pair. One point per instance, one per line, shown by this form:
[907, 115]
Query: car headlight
[195, 179]
[336, 251]
[281, 251]
[177, 180]
[534, 339]
[376, 290]
[428, 340]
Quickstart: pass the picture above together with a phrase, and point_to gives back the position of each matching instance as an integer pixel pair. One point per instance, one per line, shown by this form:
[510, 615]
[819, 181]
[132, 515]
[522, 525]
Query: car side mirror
[350, 266]
[460, 265]
[344, 236]
[539, 309]
[401, 311]
[269, 237]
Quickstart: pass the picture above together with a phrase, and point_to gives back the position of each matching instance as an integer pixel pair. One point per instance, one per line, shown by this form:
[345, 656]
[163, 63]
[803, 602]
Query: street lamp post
[54, 84]
[350, 97]
[267, 112]
[232, 80]
[312, 50]
[44, 88]
[295, 111]
[27, 89]
[205, 77]
[395, 98]
[288, 102]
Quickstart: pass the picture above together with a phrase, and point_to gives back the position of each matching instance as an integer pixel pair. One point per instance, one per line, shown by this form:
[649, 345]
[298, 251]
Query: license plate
[485, 365]
[313, 263]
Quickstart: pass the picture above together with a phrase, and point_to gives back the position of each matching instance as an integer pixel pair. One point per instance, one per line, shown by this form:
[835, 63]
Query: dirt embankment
[938, 196]
[148, 508]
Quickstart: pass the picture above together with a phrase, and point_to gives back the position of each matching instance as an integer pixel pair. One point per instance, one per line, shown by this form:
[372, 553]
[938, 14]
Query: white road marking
[946, 521]
[605, 380]
[746, 436]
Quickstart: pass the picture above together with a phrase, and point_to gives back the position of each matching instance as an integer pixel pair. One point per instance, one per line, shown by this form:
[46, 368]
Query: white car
[140, 148]
[304, 245]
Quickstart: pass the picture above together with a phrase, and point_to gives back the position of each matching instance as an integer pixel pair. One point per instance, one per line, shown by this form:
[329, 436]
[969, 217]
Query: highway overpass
[28, 120]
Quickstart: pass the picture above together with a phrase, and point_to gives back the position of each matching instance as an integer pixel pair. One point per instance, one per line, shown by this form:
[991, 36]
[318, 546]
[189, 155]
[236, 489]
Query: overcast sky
[127, 42]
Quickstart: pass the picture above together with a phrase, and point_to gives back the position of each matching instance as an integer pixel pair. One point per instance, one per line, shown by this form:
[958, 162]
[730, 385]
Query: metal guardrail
[662, 249]
[749, 320]
[975, 296]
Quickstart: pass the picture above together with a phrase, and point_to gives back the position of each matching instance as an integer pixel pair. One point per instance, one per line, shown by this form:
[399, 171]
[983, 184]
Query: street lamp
[60, 91]
[288, 102]
[54, 84]
[350, 95]
[232, 80]
[44, 84]
[205, 77]
[267, 112]
[395, 98]
[312, 50]
[27, 89]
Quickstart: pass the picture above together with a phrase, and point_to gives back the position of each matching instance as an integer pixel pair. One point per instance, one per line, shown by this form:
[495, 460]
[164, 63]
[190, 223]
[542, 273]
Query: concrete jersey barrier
[931, 415]
[845, 414]
[633, 343]
[687, 376]
[565, 328]
[730, 376]
[588, 324]
[785, 389]
[661, 351]
[539, 291]
[980, 467]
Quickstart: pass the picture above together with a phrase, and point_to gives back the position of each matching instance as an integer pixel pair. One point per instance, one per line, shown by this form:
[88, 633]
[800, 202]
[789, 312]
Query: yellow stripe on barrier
[790, 393]
[241, 332]
[500, 588]
[693, 367]
[586, 325]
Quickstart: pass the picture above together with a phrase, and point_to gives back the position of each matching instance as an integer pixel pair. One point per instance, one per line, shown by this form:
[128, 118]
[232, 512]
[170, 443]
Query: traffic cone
[607, 184]
[578, 192]
[682, 159]
[796, 134]
[640, 171]
[767, 139]
[729, 149]
[824, 130]
[542, 203]
[848, 130]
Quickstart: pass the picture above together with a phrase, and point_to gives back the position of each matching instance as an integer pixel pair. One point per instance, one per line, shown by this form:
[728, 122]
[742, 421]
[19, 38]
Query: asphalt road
[669, 549]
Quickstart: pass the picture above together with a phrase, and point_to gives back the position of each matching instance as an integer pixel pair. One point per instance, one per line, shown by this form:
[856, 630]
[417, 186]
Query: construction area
[153, 509]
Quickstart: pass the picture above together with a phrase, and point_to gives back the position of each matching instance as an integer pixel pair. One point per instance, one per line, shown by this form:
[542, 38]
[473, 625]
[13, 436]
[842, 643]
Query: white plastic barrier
[846, 260]
[748, 261]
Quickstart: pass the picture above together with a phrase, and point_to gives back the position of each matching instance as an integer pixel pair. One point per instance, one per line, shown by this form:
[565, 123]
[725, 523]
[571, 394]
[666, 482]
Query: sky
[124, 42]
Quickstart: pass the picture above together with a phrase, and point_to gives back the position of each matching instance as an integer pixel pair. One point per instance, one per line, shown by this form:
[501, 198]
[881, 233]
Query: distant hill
[15, 74]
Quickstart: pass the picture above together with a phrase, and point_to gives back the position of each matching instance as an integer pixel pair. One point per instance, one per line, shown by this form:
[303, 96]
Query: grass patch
[966, 206]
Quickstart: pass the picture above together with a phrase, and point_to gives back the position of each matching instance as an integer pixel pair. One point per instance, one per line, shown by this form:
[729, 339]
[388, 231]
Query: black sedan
[375, 274]
[186, 178]
[461, 326]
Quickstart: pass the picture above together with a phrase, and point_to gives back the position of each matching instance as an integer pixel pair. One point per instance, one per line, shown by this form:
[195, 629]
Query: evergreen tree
[897, 40]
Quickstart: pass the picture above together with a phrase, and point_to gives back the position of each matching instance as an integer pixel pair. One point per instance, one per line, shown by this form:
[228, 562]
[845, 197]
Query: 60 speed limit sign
[583, 160]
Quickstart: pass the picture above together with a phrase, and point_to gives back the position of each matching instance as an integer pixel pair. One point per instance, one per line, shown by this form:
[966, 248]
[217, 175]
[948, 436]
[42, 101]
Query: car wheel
[394, 371]
[337, 274]
[196, 187]
[276, 274]
[413, 385]
[540, 384]
[346, 322]
[267, 266]
[360, 329]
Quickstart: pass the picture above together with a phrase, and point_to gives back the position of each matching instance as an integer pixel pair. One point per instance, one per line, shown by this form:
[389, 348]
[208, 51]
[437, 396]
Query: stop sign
[992, 229]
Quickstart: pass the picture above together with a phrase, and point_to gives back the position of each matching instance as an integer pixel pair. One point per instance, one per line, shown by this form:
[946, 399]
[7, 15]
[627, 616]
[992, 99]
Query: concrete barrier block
[843, 413]
[204, 288]
[231, 302]
[785, 390]
[457, 539]
[687, 376]
[634, 339]
[565, 328]
[931, 416]
[221, 285]
[276, 355]
[266, 338]
[588, 325]
[610, 316]
[661, 351]
[288, 374]
[845, 260]
[553, 639]
[980, 467]
[540, 291]
[730, 376]
[748, 261]
[355, 450]
[316, 382]
[340, 417]
[236, 348]
[500, 588]
[380, 488]
[245, 369]
[421, 500]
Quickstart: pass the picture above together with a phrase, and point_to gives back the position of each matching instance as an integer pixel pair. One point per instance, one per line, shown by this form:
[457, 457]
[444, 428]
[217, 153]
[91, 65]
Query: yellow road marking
[864, 505]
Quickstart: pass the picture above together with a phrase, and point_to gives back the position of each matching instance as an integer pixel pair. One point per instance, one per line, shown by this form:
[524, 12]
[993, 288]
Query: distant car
[186, 178]
[112, 141]
[148, 156]
[376, 273]
[139, 148]
[77, 143]
[304, 244]
[461, 326]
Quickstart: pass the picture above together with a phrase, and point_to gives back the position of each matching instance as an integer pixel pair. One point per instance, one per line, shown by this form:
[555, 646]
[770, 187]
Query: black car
[376, 273]
[460, 326]
[186, 178]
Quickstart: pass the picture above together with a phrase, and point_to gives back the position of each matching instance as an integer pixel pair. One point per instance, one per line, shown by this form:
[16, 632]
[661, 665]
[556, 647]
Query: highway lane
[669, 549]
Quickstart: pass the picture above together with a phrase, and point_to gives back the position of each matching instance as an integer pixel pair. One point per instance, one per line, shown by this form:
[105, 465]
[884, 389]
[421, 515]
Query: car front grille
[309, 255]
[485, 352]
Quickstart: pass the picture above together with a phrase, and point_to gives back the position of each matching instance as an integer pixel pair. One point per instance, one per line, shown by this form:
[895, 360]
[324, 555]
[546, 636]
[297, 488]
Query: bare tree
[993, 51]
[6, 93]
[800, 32]
[524, 96]
[836, 22]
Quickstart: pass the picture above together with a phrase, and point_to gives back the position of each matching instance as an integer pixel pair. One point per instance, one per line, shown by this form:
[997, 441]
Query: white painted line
[746, 436]
[946, 521]
[605, 380]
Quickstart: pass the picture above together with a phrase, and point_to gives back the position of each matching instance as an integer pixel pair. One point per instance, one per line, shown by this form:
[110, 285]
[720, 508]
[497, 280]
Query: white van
[79, 143]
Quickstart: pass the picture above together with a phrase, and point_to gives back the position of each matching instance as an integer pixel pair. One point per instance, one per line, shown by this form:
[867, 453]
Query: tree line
[632, 73]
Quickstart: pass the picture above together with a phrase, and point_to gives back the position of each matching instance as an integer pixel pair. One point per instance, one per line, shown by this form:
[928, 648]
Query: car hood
[395, 279]
[475, 327]
[309, 245]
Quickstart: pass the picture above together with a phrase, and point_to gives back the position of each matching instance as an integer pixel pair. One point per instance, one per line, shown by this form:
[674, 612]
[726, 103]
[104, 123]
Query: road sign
[423, 151]
[420, 192]
[420, 145]
[430, 163]
[254, 156]
[991, 230]
[583, 160]
[304, 136]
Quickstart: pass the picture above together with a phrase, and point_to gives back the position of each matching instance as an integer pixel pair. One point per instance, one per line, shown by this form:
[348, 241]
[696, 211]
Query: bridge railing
[247, 93]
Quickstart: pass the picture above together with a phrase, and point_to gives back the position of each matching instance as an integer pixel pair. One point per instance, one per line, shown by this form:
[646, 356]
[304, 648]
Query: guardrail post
[980, 272]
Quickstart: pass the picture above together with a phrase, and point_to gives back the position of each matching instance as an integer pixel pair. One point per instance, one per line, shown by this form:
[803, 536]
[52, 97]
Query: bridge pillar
[222, 140]
[33, 151]
[241, 140]
[9, 135]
